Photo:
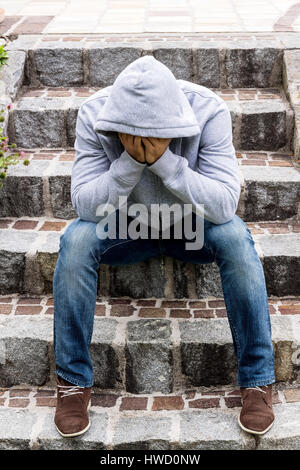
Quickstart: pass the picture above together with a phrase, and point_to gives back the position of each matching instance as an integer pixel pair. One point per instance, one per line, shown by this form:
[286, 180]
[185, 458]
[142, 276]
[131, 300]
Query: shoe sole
[74, 434]
[251, 431]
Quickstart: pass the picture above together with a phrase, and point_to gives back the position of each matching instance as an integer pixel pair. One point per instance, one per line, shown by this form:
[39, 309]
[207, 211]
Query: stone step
[260, 121]
[98, 61]
[191, 420]
[29, 248]
[141, 348]
[271, 186]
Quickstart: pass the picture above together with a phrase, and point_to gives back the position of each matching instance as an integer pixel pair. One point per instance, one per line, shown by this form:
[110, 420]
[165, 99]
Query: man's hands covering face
[144, 149]
[154, 148]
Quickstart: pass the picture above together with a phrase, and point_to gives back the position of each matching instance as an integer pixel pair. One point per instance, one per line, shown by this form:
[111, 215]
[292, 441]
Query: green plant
[3, 55]
[9, 154]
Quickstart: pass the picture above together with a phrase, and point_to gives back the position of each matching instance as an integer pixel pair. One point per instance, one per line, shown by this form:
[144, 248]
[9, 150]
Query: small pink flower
[9, 105]
[22, 153]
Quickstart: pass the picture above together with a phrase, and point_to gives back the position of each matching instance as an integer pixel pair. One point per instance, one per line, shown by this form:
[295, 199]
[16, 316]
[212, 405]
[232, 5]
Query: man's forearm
[220, 200]
[119, 180]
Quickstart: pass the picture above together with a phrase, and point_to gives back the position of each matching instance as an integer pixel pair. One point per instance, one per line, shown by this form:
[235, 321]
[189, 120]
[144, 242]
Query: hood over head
[146, 100]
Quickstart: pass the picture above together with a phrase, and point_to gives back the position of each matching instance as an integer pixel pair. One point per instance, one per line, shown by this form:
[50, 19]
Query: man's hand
[134, 146]
[154, 148]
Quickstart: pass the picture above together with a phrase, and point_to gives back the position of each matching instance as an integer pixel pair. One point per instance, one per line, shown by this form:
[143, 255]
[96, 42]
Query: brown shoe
[73, 402]
[257, 415]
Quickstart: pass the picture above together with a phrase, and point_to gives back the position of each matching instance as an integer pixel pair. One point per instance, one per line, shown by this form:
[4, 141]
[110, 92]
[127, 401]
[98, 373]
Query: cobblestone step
[217, 64]
[180, 305]
[29, 251]
[271, 186]
[260, 120]
[96, 61]
[142, 348]
[189, 420]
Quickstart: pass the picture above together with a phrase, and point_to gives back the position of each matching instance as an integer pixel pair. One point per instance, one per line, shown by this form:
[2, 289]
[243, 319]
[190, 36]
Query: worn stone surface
[22, 196]
[142, 433]
[208, 280]
[271, 200]
[178, 60]
[291, 69]
[60, 190]
[291, 85]
[212, 430]
[103, 355]
[207, 353]
[149, 361]
[257, 67]
[208, 67]
[46, 262]
[263, 126]
[106, 63]
[59, 66]
[93, 439]
[46, 258]
[15, 429]
[150, 274]
[24, 351]
[50, 122]
[279, 251]
[184, 430]
[142, 358]
[281, 275]
[12, 73]
[285, 433]
[39, 124]
[12, 267]
[71, 125]
[183, 279]
[286, 342]
[60, 194]
[271, 193]
[12, 260]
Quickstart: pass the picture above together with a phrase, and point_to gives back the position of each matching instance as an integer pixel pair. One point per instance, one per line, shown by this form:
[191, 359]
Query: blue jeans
[230, 245]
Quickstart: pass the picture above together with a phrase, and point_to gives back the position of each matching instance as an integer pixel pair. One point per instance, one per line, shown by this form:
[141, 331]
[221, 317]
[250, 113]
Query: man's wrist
[152, 163]
[167, 166]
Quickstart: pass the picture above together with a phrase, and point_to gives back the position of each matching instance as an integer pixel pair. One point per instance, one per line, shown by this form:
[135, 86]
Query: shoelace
[256, 388]
[71, 390]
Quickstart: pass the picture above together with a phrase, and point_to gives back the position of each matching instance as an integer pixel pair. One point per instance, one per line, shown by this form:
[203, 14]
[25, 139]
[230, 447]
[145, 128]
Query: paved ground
[142, 308]
[225, 397]
[138, 16]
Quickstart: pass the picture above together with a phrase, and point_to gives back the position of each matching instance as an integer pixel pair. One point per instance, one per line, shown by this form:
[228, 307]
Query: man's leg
[246, 300]
[75, 290]
[231, 246]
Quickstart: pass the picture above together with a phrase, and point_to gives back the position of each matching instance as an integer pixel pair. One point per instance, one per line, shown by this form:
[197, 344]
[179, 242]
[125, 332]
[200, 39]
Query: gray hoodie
[198, 167]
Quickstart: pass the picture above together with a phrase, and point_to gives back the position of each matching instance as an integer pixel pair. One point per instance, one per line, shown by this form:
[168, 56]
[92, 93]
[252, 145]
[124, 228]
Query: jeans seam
[75, 382]
[269, 379]
[235, 334]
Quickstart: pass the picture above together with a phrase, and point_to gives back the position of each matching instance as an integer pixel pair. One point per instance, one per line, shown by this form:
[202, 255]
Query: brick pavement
[94, 16]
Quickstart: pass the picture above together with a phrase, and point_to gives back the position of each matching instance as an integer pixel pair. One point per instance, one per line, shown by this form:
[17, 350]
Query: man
[150, 138]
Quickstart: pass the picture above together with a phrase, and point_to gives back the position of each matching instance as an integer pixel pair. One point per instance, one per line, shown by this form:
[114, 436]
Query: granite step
[145, 345]
[270, 185]
[97, 61]
[29, 248]
[188, 420]
[47, 117]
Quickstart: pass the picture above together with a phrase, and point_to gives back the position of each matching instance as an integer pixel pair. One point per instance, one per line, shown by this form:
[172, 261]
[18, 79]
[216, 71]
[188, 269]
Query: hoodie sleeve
[95, 180]
[215, 182]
